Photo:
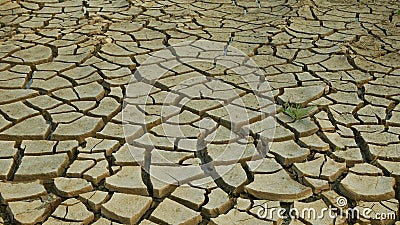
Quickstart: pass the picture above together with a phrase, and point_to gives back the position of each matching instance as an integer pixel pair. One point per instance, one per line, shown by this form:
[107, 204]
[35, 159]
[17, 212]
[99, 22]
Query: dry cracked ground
[332, 68]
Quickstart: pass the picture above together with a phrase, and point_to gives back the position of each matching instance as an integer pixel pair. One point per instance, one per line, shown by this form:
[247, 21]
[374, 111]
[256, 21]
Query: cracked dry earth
[64, 69]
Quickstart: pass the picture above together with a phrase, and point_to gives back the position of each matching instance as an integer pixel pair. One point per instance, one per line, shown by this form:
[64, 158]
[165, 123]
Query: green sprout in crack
[338, 149]
[295, 111]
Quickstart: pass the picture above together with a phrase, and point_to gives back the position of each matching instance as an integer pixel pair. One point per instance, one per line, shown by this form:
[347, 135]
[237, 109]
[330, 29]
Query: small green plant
[295, 111]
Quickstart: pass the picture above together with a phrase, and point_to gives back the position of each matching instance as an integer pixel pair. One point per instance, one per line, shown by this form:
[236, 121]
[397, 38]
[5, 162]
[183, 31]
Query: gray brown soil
[65, 67]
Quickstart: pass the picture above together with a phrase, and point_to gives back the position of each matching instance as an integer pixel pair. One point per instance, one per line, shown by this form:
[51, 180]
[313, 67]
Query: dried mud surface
[65, 67]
